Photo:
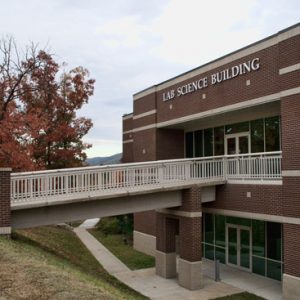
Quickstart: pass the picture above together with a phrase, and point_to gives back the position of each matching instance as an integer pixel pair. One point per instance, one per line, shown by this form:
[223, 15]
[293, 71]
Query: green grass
[241, 296]
[115, 243]
[63, 249]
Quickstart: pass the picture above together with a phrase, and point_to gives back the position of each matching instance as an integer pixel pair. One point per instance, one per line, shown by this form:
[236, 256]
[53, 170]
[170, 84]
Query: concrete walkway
[90, 223]
[155, 287]
[109, 262]
[146, 281]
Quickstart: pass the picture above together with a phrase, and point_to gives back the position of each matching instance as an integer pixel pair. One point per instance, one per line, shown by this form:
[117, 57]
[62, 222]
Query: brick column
[5, 214]
[165, 255]
[190, 220]
[291, 254]
[290, 114]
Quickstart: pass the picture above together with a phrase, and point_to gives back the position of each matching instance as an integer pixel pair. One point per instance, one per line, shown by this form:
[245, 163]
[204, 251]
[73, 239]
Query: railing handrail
[140, 164]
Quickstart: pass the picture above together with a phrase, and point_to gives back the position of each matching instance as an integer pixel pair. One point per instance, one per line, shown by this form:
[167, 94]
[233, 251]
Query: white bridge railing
[55, 185]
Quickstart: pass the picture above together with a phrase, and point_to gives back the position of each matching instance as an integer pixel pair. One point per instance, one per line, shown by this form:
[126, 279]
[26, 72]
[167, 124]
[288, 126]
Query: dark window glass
[236, 128]
[219, 140]
[220, 230]
[209, 229]
[198, 143]
[274, 270]
[274, 240]
[272, 134]
[258, 265]
[209, 252]
[220, 254]
[208, 142]
[258, 238]
[238, 221]
[257, 136]
[189, 144]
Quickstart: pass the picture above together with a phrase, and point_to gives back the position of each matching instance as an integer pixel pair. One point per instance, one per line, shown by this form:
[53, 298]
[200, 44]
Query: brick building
[246, 103]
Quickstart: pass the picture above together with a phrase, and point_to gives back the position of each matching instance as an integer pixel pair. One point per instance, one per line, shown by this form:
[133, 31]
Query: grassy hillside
[51, 263]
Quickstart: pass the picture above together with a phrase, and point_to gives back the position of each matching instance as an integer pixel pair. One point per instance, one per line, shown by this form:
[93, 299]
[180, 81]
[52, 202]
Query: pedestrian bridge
[53, 196]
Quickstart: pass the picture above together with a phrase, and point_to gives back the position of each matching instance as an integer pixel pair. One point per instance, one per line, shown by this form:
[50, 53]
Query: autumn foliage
[39, 128]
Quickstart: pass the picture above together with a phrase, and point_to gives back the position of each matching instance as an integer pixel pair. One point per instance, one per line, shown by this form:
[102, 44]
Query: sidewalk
[146, 281]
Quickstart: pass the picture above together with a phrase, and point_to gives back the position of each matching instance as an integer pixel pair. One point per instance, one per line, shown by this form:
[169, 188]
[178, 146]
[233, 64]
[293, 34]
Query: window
[198, 143]
[208, 142]
[258, 240]
[272, 134]
[237, 128]
[219, 140]
[189, 144]
[274, 240]
[209, 229]
[257, 136]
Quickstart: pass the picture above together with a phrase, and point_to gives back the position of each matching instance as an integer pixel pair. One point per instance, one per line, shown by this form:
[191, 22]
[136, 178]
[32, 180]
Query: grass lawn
[52, 263]
[115, 243]
[241, 296]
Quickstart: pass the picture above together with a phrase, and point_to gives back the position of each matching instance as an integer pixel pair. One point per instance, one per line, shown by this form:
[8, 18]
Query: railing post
[160, 174]
[5, 211]
[225, 168]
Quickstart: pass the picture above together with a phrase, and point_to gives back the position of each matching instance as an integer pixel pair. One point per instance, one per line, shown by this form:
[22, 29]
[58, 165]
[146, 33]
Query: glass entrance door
[238, 246]
[237, 143]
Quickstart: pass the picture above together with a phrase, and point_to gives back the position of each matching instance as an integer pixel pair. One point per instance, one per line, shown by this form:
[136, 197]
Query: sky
[129, 45]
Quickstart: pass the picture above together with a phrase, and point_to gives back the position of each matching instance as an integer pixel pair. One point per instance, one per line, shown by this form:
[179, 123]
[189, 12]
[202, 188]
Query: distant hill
[107, 160]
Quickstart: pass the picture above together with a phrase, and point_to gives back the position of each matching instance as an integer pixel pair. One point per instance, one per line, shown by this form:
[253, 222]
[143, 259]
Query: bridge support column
[5, 212]
[165, 255]
[190, 222]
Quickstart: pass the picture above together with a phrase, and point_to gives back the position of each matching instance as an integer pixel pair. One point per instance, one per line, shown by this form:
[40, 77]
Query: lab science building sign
[213, 79]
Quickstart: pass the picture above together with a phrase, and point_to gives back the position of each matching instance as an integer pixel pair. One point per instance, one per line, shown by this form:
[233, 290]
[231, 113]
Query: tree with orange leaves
[38, 103]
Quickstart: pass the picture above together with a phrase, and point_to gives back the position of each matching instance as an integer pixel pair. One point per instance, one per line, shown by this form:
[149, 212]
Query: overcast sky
[129, 45]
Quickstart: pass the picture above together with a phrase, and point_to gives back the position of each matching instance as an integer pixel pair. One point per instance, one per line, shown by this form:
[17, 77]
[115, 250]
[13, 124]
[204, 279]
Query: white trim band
[127, 117]
[289, 69]
[128, 141]
[144, 127]
[180, 213]
[249, 215]
[128, 131]
[145, 114]
[291, 173]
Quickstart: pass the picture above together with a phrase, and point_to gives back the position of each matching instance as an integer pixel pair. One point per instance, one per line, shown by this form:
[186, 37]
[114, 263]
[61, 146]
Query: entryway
[238, 246]
[237, 143]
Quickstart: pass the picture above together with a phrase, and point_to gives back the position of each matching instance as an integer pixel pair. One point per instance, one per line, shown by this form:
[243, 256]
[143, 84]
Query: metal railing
[55, 185]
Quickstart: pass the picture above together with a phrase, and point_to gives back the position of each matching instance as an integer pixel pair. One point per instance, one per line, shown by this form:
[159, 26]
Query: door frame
[238, 228]
[236, 136]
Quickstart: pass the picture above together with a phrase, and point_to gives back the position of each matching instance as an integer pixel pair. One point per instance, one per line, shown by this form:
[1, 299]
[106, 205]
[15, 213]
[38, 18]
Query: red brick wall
[170, 144]
[291, 248]
[167, 229]
[290, 117]
[265, 199]
[5, 216]
[145, 222]
[190, 238]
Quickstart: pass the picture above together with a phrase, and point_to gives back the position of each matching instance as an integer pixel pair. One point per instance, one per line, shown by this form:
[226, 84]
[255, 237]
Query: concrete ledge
[5, 230]
[143, 242]
[190, 274]
[165, 264]
[290, 287]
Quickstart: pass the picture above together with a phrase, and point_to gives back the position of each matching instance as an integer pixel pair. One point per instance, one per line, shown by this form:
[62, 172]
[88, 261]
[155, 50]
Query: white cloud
[129, 45]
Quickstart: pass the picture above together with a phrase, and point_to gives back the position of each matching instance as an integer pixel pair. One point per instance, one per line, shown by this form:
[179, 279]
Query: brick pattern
[127, 155]
[265, 199]
[145, 222]
[144, 121]
[5, 214]
[170, 144]
[289, 52]
[291, 197]
[144, 104]
[190, 238]
[290, 116]
[167, 228]
[291, 248]
[191, 200]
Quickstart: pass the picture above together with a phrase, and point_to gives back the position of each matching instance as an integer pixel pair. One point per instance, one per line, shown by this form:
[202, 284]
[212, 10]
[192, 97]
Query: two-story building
[245, 107]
